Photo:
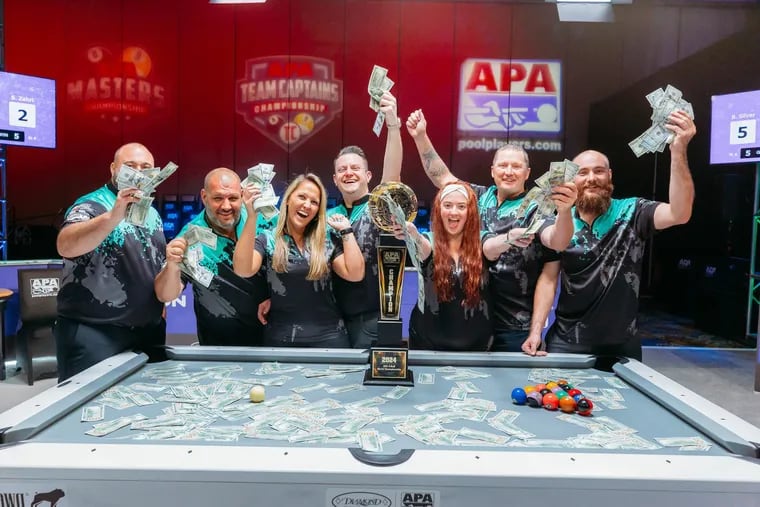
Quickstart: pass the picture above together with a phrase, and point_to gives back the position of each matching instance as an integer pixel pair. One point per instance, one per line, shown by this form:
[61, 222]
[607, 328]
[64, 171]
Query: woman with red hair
[455, 312]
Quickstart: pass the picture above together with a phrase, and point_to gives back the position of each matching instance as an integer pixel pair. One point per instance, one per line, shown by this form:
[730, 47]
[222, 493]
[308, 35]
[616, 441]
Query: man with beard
[523, 270]
[106, 303]
[359, 302]
[598, 301]
[225, 310]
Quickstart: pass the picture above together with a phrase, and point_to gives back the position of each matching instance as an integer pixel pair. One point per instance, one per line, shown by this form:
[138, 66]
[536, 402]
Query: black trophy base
[389, 334]
[379, 381]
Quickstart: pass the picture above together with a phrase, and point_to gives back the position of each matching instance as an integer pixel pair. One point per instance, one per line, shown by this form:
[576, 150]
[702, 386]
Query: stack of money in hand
[261, 176]
[663, 103]
[541, 194]
[145, 182]
[379, 83]
[191, 261]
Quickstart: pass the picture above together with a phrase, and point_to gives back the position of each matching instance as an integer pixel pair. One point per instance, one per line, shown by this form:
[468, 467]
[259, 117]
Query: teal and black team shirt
[355, 298]
[601, 271]
[113, 284]
[515, 273]
[303, 312]
[226, 310]
[448, 325]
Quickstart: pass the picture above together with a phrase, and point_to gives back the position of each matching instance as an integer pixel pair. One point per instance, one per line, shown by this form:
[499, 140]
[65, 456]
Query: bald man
[106, 303]
[226, 310]
[601, 269]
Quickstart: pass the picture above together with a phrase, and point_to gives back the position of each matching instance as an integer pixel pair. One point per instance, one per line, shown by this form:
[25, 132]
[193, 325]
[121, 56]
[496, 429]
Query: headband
[454, 188]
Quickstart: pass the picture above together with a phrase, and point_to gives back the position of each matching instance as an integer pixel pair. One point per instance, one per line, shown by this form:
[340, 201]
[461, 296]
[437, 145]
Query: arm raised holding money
[246, 261]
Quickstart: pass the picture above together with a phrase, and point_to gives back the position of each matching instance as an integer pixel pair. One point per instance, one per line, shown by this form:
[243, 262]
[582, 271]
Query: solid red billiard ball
[573, 392]
[584, 406]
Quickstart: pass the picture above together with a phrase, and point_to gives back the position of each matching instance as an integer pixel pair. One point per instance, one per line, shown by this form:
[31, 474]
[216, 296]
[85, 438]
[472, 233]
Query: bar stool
[5, 295]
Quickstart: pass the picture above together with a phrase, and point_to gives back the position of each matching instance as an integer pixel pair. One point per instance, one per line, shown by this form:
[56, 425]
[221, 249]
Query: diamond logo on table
[361, 499]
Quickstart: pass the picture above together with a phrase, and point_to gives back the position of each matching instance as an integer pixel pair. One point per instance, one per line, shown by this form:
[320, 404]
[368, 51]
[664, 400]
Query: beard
[596, 203]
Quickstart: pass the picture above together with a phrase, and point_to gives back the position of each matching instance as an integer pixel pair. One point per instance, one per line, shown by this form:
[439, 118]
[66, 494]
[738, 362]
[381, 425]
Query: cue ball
[257, 394]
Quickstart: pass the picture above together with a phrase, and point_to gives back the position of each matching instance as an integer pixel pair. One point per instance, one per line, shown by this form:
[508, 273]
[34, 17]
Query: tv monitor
[27, 110]
[735, 136]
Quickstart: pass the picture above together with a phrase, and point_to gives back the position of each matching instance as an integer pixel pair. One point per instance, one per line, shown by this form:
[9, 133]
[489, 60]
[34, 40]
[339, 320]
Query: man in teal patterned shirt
[226, 308]
[106, 303]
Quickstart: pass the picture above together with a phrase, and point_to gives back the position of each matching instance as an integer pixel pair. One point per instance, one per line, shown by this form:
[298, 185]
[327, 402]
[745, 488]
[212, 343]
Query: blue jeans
[508, 341]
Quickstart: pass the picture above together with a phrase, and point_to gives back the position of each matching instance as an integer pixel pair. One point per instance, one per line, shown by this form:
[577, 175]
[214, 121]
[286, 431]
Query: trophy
[390, 202]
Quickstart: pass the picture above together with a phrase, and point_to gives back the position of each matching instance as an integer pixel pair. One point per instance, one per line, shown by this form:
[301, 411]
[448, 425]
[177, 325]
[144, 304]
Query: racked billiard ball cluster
[552, 396]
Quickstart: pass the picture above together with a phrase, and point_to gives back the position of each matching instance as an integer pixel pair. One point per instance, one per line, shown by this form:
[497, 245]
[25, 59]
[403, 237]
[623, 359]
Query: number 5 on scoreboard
[743, 132]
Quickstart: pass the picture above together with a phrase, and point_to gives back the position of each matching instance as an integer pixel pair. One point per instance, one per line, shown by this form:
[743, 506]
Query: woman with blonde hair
[300, 256]
[455, 312]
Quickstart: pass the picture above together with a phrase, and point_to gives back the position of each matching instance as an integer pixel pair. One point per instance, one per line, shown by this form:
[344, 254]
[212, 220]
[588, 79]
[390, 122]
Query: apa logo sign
[289, 98]
[45, 287]
[510, 95]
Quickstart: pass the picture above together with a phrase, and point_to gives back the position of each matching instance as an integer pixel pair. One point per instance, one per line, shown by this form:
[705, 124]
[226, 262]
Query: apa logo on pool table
[289, 98]
[44, 287]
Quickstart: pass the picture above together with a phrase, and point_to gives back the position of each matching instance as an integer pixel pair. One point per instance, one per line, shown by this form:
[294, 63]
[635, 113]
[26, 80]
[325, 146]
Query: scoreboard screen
[27, 110]
[735, 136]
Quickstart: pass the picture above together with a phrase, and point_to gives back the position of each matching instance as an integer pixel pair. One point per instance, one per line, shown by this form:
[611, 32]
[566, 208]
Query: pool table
[228, 458]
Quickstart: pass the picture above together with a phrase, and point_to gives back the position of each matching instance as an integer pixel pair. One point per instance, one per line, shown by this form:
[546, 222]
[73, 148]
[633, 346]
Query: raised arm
[681, 191]
[557, 236]
[246, 262]
[393, 149]
[83, 237]
[434, 166]
[168, 282]
[543, 298]
[350, 264]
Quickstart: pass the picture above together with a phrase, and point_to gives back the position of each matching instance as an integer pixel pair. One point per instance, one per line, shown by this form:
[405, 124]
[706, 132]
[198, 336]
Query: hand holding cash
[192, 253]
[260, 176]
[379, 84]
[550, 190]
[665, 103]
[144, 183]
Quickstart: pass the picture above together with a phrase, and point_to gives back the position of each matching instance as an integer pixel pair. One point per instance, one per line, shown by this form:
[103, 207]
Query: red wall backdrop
[198, 52]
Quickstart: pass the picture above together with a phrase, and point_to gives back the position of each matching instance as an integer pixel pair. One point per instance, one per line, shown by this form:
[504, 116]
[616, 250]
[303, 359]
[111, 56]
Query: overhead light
[587, 11]
[236, 1]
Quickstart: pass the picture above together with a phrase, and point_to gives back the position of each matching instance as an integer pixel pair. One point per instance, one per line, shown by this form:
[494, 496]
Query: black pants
[607, 355]
[80, 345]
[362, 329]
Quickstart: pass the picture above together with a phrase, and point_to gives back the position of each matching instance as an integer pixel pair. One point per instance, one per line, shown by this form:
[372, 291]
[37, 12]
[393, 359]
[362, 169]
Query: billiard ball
[551, 385]
[557, 389]
[567, 404]
[573, 392]
[519, 396]
[539, 387]
[544, 391]
[529, 389]
[534, 399]
[577, 397]
[257, 394]
[584, 406]
[550, 401]
[562, 394]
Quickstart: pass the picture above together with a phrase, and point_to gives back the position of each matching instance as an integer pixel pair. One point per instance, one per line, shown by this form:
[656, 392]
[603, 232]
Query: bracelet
[346, 231]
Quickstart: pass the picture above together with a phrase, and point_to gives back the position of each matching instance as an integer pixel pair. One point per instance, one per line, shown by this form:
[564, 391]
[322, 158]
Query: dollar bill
[197, 234]
[397, 392]
[426, 378]
[93, 413]
[137, 212]
[369, 440]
